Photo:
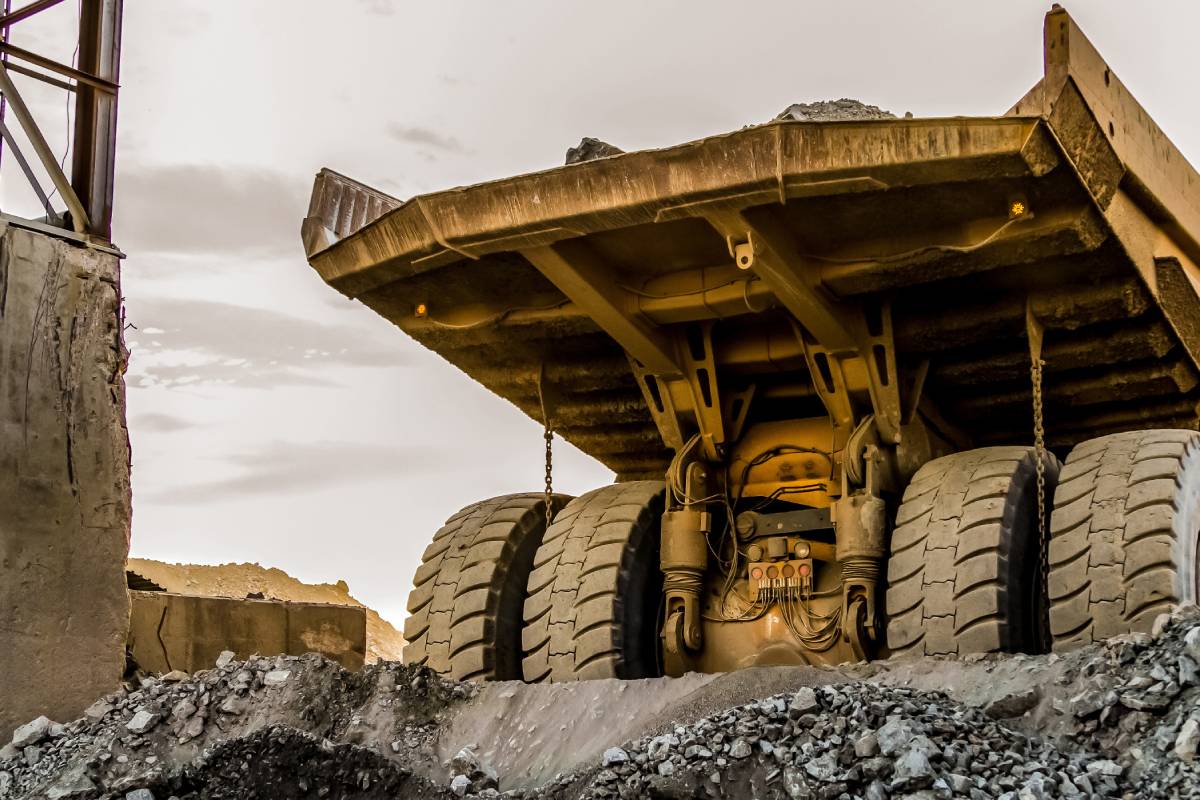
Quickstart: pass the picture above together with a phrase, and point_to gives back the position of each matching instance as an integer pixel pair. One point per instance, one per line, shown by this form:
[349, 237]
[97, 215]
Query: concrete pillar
[64, 478]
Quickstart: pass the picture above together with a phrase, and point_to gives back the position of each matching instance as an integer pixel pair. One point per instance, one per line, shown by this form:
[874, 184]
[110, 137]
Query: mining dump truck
[871, 388]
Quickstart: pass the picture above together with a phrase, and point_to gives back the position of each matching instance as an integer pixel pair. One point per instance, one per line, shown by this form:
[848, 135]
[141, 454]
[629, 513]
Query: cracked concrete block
[64, 477]
[171, 631]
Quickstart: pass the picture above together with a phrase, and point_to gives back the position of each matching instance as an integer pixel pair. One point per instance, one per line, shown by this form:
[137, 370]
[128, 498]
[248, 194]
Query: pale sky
[273, 420]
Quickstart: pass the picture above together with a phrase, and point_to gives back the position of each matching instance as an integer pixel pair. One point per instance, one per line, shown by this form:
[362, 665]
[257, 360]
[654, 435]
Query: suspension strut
[683, 558]
[860, 523]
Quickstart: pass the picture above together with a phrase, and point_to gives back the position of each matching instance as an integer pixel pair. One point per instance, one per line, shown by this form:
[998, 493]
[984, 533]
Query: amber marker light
[422, 310]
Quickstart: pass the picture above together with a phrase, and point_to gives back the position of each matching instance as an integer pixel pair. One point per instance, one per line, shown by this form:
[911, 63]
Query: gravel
[833, 111]
[1119, 719]
[859, 740]
[262, 728]
[1128, 725]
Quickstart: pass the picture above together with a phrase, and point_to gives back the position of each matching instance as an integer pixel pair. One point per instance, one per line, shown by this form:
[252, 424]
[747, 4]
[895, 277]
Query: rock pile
[1120, 719]
[590, 149]
[243, 729]
[833, 111]
[855, 740]
[1138, 699]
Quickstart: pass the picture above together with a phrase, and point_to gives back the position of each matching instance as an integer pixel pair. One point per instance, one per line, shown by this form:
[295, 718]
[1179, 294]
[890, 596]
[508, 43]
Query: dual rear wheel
[498, 596]
[965, 570]
[468, 594]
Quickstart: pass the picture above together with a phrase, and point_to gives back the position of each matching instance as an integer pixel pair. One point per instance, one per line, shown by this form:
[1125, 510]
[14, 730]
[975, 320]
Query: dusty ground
[384, 642]
[1115, 720]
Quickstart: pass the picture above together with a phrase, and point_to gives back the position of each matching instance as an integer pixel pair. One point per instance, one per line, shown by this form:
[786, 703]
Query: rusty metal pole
[4, 58]
[92, 161]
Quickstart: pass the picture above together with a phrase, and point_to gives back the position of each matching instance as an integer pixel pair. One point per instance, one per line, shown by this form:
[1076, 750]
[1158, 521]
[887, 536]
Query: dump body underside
[914, 212]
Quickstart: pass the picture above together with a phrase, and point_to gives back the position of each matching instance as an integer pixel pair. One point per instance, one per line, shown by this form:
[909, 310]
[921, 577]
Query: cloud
[424, 136]
[181, 342]
[279, 467]
[243, 376]
[160, 423]
[209, 209]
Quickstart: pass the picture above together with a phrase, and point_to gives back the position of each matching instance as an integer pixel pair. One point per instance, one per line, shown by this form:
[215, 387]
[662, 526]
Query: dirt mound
[384, 642]
[1121, 719]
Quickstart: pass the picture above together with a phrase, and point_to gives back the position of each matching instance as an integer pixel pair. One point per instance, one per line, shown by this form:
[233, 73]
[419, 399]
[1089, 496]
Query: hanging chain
[549, 436]
[1039, 446]
[1035, 331]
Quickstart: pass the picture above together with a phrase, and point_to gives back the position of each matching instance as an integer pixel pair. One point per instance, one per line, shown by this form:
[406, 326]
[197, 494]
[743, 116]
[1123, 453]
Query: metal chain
[1039, 446]
[549, 437]
[546, 402]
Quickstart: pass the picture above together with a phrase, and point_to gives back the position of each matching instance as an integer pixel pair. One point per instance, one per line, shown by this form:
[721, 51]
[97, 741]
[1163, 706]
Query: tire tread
[569, 630]
[950, 531]
[1123, 498]
[472, 564]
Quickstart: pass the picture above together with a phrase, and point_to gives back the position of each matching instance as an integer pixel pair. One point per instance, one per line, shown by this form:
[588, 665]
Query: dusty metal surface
[912, 211]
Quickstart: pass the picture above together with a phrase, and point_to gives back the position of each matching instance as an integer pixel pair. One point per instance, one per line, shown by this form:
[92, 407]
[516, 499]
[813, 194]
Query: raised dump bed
[838, 342]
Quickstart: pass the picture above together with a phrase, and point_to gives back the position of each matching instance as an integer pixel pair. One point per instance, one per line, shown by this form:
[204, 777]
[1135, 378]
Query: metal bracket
[700, 370]
[548, 396]
[737, 408]
[743, 252]
[879, 351]
[719, 417]
[912, 396]
[829, 380]
[1034, 330]
[752, 524]
[877, 358]
[658, 400]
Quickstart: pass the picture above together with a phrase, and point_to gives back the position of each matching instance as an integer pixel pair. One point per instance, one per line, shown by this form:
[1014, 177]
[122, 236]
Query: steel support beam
[79, 217]
[587, 281]
[33, 73]
[106, 86]
[24, 12]
[92, 161]
[773, 257]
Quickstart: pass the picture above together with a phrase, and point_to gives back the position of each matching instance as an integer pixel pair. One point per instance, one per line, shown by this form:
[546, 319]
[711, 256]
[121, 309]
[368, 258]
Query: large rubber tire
[469, 591]
[594, 593]
[963, 569]
[1125, 524]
